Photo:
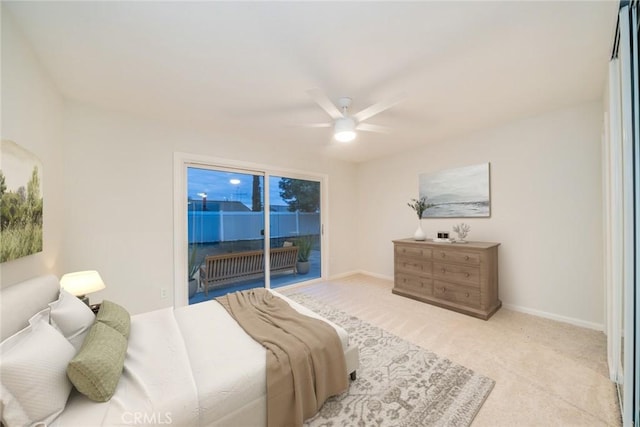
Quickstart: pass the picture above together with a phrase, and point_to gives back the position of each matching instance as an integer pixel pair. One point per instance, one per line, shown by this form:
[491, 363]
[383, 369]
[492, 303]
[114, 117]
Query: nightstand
[95, 308]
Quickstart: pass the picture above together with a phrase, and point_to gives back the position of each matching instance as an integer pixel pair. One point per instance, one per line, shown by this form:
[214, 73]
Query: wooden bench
[219, 270]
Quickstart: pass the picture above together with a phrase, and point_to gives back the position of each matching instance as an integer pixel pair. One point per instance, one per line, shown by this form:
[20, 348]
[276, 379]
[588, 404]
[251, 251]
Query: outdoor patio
[277, 280]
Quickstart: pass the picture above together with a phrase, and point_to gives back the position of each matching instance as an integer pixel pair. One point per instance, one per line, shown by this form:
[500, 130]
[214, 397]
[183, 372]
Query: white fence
[220, 226]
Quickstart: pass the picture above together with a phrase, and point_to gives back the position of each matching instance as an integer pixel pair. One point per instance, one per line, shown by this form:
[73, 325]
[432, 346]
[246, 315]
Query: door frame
[182, 160]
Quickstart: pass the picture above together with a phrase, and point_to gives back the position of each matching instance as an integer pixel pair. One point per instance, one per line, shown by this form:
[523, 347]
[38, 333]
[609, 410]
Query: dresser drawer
[458, 273]
[456, 293]
[413, 266]
[413, 251]
[468, 258]
[418, 285]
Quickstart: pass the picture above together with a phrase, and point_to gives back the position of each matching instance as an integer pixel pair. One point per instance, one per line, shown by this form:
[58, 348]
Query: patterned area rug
[398, 383]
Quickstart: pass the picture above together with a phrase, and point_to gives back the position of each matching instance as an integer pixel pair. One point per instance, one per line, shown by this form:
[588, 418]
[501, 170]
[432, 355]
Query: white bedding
[192, 366]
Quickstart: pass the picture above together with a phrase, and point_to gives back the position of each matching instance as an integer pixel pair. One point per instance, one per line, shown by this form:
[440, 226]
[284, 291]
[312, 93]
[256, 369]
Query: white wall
[32, 117]
[546, 209]
[104, 166]
[119, 199]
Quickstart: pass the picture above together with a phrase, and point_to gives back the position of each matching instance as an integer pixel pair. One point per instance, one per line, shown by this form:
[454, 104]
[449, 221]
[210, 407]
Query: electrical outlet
[163, 292]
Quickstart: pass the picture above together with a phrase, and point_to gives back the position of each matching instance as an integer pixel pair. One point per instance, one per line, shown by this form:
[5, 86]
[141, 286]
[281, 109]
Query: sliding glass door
[225, 231]
[224, 240]
[295, 220]
[622, 217]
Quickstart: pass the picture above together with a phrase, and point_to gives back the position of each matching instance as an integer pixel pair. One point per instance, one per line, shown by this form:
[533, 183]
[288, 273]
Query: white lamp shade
[82, 282]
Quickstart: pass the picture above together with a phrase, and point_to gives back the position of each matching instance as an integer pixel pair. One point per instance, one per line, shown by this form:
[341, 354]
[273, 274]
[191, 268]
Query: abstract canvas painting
[457, 193]
[20, 202]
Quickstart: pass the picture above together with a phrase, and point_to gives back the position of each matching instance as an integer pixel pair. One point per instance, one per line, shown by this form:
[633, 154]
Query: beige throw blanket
[305, 360]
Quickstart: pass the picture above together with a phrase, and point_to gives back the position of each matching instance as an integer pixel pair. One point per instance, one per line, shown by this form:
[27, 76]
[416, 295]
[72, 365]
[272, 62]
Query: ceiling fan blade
[373, 128]
[323, 101]
[377, 108]
[315, 125]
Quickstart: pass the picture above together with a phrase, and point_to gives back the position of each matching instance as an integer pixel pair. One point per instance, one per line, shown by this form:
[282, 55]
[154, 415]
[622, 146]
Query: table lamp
[82, 283]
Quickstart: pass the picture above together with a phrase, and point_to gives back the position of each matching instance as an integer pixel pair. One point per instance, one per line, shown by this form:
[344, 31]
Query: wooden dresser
[459, 276]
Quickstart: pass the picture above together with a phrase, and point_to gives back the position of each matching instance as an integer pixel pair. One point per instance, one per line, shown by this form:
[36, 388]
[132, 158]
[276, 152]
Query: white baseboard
[366, 273]
[557, 317]
[343, 275]
[376, 275]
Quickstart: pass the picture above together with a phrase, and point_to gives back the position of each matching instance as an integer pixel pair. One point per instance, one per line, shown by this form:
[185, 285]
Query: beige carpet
[547, 373]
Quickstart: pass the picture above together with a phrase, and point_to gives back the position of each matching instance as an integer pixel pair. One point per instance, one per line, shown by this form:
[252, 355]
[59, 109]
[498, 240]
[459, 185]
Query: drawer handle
[443, 270]
[466, 258]
[421, 285]
[466, 294]
[466, 275]
[442, 254]
[444, 289]
[404, 280]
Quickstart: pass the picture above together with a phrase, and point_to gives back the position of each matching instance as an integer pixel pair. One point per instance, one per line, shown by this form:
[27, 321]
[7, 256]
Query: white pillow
[72, 317]
[33, 375]
[43, 315]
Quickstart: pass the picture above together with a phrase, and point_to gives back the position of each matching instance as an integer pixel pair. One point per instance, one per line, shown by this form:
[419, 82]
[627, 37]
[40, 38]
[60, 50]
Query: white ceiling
[244, 68]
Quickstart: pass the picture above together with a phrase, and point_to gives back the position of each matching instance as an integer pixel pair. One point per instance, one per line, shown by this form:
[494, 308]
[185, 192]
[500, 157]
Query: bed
[189, 366]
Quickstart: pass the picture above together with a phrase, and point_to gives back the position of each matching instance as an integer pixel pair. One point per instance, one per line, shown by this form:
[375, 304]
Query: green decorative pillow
[96, 369]
[115, 316]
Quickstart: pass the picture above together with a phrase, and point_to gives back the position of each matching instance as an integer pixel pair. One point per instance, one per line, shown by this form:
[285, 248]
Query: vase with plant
[419, 206]
[304, 244]
[192, 269]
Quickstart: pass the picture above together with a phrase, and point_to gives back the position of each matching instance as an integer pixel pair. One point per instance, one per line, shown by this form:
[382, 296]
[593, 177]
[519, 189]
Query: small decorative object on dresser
[419, 206]
[462, 230]
[442, 237]
[460, 278]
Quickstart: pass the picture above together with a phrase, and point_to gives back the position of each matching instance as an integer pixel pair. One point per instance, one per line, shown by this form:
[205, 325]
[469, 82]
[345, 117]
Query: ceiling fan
[344, 124]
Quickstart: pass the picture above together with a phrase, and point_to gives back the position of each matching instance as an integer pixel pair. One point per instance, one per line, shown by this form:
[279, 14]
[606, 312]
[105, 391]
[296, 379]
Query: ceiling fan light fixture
[345, 130]
[345, 136]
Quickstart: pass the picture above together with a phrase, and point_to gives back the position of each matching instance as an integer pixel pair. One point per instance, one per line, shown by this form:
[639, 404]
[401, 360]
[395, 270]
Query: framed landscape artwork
[457, 193]
[20, 202]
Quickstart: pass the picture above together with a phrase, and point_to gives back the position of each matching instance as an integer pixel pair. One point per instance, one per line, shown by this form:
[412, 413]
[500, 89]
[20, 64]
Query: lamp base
[84, 299]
